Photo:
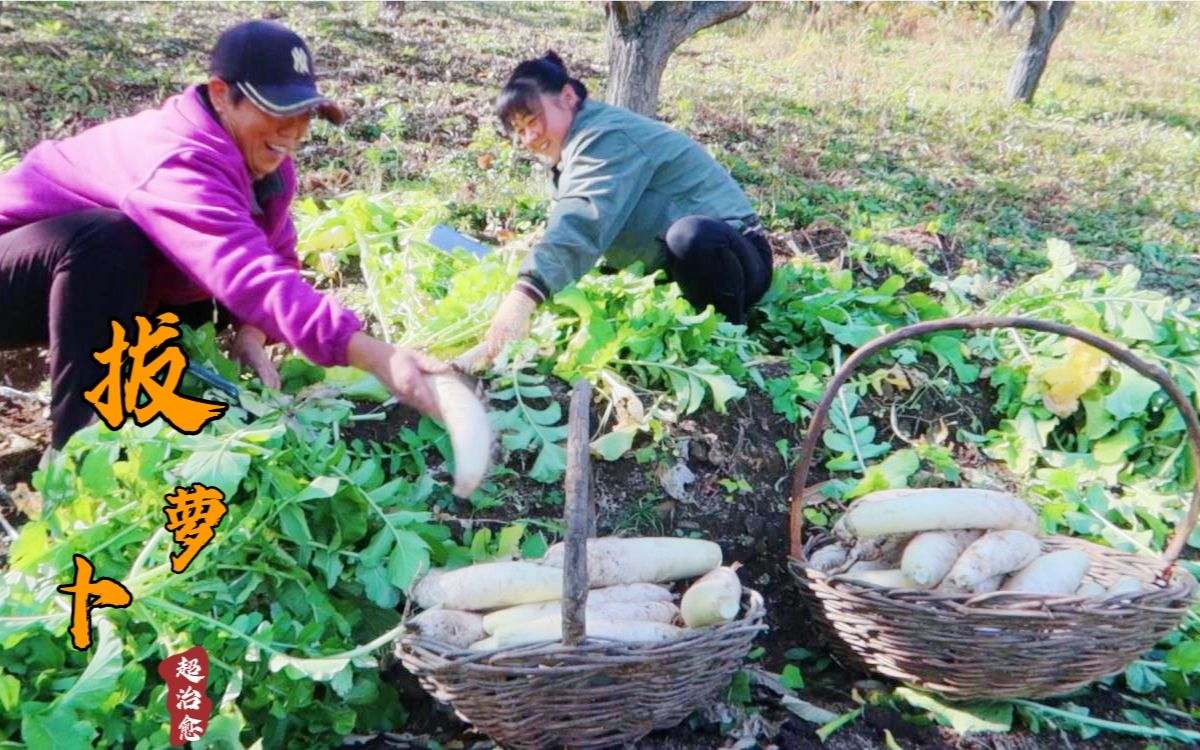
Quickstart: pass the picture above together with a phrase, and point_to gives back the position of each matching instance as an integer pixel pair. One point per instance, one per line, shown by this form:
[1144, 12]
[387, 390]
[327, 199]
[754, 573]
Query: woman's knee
[107, 238]
[690, 233]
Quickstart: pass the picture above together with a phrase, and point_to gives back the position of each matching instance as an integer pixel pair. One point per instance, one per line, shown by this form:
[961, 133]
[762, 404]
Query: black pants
[714, 264]
[62, 281]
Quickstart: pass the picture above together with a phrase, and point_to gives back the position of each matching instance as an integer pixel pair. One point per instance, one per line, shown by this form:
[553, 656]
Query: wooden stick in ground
[576, 486]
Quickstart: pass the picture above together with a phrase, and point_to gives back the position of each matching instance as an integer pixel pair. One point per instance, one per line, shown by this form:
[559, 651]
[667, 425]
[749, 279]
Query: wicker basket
[575, 693]
[997, 645]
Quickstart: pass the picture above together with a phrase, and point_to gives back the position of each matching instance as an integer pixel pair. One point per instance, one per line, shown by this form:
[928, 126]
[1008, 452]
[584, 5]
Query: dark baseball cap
[272, 66]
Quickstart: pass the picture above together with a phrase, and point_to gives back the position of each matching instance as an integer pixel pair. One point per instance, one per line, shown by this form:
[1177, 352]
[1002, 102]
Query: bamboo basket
[582, 693]
[997, 645]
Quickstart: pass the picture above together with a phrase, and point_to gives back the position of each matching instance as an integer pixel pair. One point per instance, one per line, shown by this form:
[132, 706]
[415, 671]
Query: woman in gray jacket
[627, 188]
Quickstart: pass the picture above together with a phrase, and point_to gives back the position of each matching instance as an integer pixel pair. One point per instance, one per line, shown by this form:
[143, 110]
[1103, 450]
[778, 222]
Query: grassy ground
[873, 119]
[862, 126]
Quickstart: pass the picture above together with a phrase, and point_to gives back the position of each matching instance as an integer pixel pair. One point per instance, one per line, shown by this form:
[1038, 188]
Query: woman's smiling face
[544, 133]
[264, 140]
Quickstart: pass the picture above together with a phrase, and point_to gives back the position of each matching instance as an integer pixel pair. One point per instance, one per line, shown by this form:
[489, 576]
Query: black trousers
[714, 264]
[62, 280]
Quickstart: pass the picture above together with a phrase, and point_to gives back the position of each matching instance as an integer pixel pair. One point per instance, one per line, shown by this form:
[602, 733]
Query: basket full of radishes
[957, 590]
[585, 647]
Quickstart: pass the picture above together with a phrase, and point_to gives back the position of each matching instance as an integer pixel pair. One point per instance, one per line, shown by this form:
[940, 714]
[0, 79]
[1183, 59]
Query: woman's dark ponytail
[543, 75]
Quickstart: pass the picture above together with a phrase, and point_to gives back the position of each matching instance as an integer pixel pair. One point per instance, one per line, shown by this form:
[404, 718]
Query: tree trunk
[391, 10]
[1026, 73]
[641, 37]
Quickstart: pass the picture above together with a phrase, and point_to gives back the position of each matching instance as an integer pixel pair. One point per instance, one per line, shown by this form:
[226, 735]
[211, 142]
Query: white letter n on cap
[300, 61]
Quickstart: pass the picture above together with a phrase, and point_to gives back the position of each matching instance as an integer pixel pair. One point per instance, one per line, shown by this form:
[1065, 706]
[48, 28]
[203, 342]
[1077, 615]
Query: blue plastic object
[445, 238]
[216, 381]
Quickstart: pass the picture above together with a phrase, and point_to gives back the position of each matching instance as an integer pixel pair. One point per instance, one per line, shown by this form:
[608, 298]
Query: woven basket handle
[1118, 352]
[578, 510]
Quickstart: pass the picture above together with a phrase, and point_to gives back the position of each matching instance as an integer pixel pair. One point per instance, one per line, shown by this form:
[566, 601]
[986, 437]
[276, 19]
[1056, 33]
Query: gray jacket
[622, 181]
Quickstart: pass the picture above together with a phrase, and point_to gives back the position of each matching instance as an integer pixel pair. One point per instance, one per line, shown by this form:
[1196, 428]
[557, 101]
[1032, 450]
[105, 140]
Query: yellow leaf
[1072, 377]
[898, 379]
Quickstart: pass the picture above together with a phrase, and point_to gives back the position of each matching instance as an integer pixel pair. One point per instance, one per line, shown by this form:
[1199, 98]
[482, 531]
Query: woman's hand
[402, 371]
[249, 348]
[511, 322]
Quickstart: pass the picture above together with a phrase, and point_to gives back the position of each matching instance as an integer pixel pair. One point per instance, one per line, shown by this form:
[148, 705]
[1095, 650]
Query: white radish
[828, 557]
[427, 592]
[993, 554]
[716, 597]
[866, 566]
[614, 560]
[632, 592]
[487, 644]
[452, 626]
[470, 433]
[550, 629]
[1090, 589]
[930, 555]
[886, 548]
[489, 586]
[986, 586]
[842, 532]
[1125, 586]
[523, 613]
[891, 578]
[893, 512]
[1053, 573]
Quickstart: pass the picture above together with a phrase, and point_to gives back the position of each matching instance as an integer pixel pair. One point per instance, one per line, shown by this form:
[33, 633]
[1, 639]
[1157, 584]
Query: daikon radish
[1126, 586]
[487, 644]
[1053, 573]
[887, 548]
[523, 613]
[890, 512]
[1090, 589]
[829, 557]
[489, 586]
[842, 532]
[452, 626]
[470, 433]
[614, 560]
[892, 578]
[986, 586]
[993, 554]
[716, 597]
[550, 629]
[427, 592]
[631, 592]
[866, 566]
[930, 555]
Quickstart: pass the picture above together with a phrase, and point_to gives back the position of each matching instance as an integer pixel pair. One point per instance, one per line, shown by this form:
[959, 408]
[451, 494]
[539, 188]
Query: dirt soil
[751, 527]
[24, 422]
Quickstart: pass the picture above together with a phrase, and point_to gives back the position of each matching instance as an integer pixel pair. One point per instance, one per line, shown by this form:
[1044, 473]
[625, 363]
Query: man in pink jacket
[179, 205]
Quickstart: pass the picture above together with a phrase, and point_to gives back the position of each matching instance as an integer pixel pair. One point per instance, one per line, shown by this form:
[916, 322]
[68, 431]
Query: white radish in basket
[1053, 573]
[612, 561]
[489, 586]
[885, 548]
[451, 626]
[1089, 589]
[993, 554]
[1126, 586]
[986, 586]
[891, 578]
[829, 557]
[644, 611]
[470, 433]
[930, 555]
[716, 597]
[550, 629]
[894, 512]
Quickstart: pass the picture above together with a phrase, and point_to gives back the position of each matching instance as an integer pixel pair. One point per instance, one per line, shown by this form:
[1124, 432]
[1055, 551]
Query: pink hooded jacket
[177, 174]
